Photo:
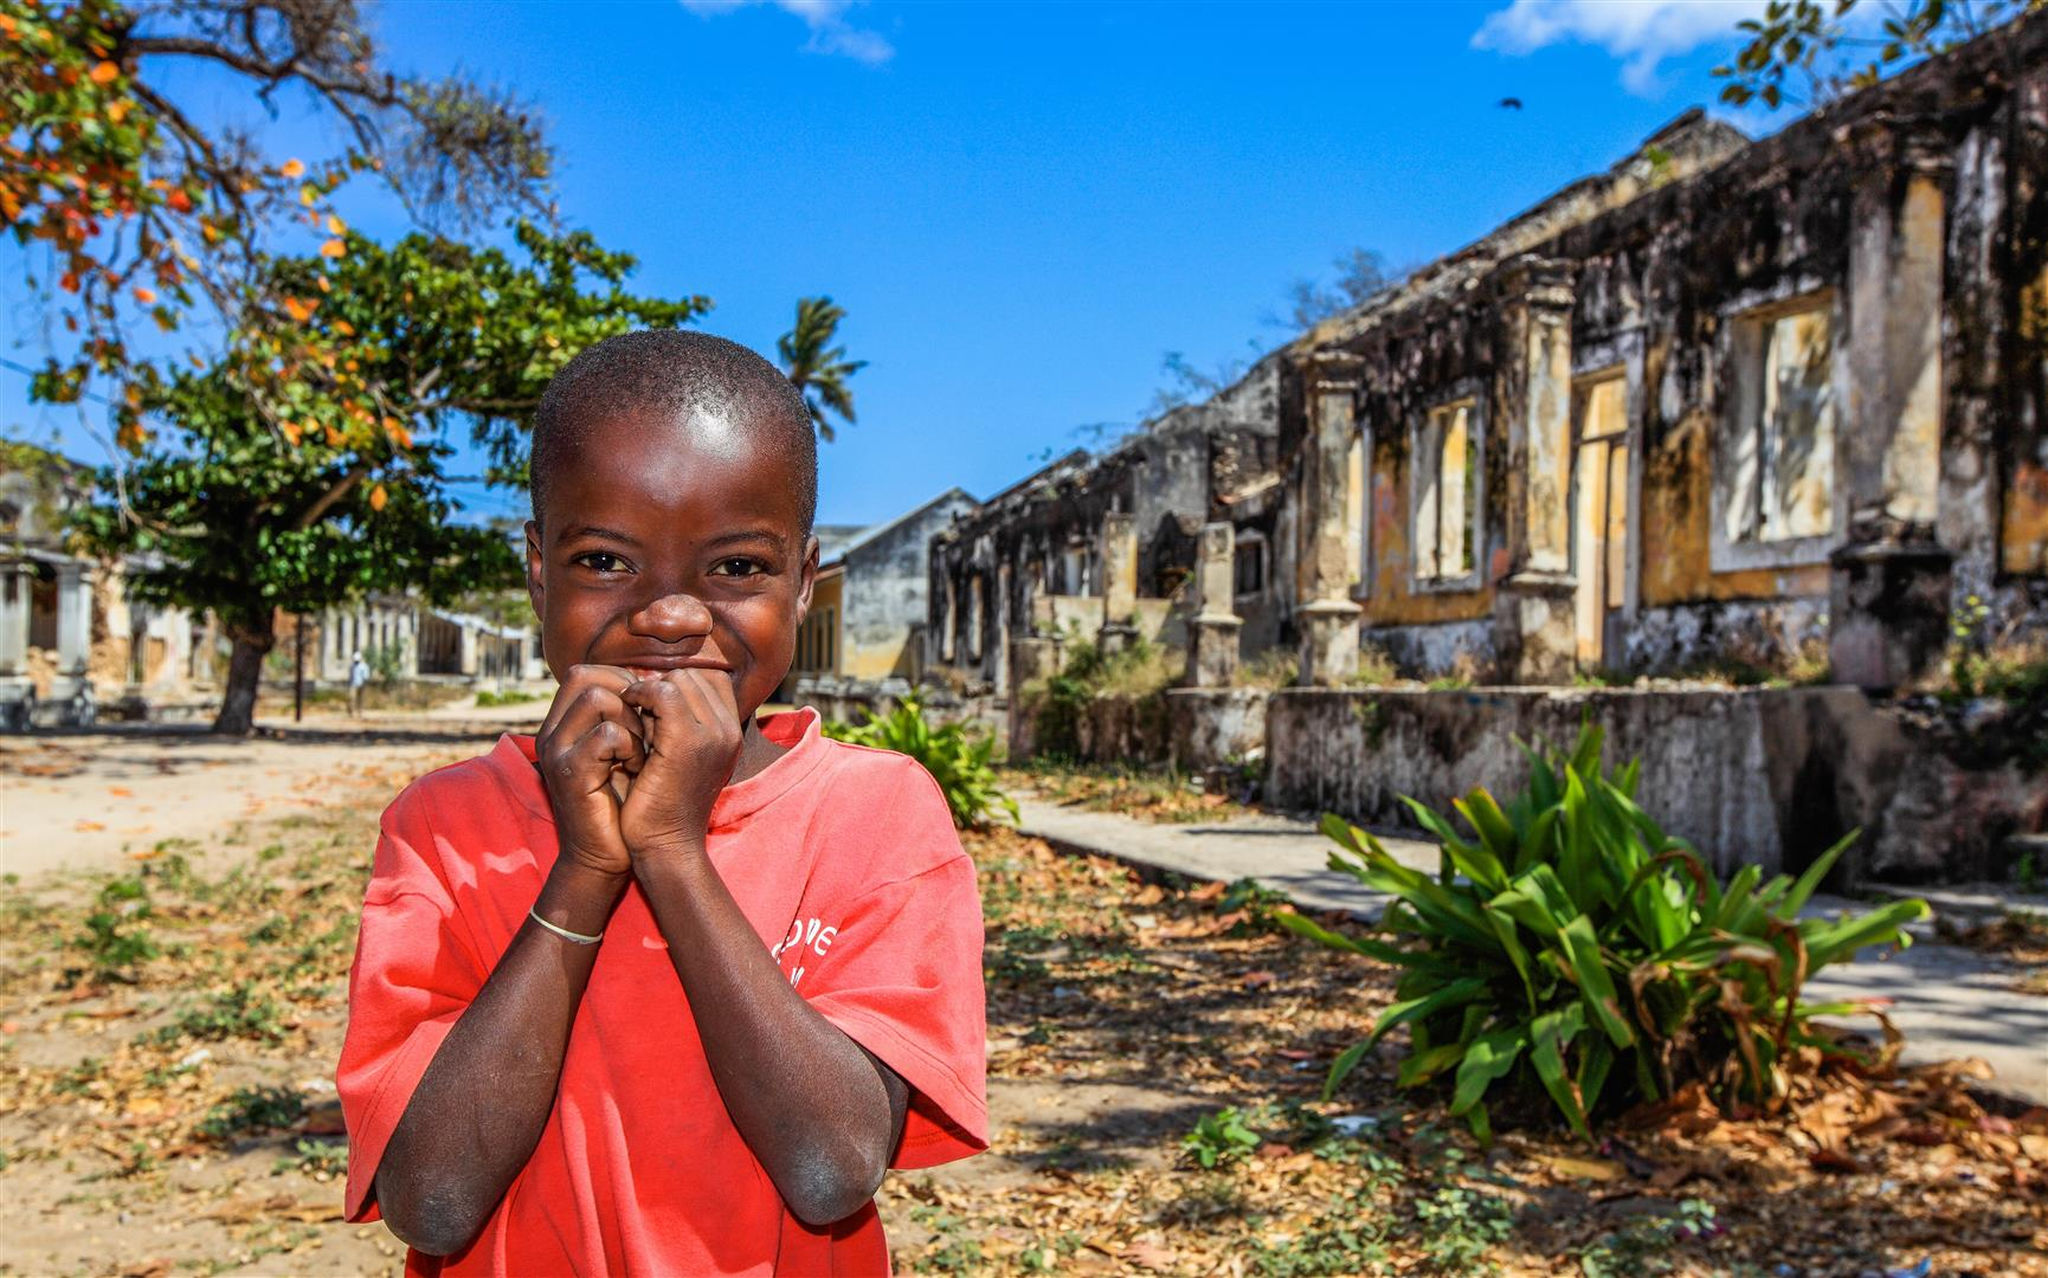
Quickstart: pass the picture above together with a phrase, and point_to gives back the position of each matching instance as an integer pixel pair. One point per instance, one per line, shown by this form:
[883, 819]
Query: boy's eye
[601, 561]
[735, 568]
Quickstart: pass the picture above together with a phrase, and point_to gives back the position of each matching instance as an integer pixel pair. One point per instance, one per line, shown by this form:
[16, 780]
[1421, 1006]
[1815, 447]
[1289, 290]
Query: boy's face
[670, 541]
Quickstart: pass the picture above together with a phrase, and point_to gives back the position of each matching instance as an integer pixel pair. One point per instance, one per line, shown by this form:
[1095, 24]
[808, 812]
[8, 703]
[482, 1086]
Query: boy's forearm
[479, 1109]
[820, 1113]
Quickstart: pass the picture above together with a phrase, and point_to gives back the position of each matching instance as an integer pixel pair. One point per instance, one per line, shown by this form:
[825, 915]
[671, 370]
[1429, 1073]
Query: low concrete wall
[856, 701]
[1764, 776]
[1208, 727]
[1187, 728]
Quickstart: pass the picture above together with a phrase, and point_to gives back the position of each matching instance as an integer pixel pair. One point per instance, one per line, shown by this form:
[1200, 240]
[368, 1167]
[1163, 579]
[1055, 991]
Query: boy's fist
[589, 748]
[692, 742]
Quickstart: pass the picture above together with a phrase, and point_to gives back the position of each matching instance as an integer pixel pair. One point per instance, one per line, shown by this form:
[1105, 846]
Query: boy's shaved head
[680, 373]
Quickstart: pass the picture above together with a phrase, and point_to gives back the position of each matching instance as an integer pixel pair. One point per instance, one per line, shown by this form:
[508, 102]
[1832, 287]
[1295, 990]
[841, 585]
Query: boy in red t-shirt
[664, 989]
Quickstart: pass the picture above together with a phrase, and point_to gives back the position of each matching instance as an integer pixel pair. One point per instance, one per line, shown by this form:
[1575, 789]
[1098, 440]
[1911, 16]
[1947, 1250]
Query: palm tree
[819, 368]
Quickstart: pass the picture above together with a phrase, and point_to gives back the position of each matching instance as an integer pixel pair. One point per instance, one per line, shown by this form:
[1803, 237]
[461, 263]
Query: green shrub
[114, 936]
[1220, 1138]
[958, 758]
[1573, 949]
[237, 1012]
[487, 699]
[251, 1110]
[1272, 670]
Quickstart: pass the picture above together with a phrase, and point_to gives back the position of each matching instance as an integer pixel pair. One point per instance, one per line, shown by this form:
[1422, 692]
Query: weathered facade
[1793, 399]
[868, 609]
[1110, 541]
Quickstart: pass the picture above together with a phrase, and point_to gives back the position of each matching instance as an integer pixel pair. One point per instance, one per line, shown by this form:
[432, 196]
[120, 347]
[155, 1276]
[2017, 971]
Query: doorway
[1600, 516]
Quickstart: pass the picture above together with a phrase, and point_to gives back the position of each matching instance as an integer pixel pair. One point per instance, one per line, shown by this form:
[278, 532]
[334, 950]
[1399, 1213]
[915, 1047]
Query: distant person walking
[358, 679]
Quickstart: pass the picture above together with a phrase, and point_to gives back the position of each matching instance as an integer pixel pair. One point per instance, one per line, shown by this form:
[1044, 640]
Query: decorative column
[69, 686]
[17, 582]
[1119, 581]
[1328, 614]
[466, 662]
[1889, 592]
[1531, 422]
[17, 692]
[1213, 662]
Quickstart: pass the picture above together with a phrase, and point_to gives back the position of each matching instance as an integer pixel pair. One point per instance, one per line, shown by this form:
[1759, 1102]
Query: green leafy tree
[336, 483]
[819, 369]
[130, 204]
[1808, 52]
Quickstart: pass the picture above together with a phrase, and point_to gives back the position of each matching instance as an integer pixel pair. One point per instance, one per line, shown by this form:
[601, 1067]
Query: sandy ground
[88, 800]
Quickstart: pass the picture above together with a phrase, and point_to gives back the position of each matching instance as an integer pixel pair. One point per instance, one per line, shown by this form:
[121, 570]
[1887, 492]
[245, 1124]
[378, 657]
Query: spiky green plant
[1570, 945]
[960, 759]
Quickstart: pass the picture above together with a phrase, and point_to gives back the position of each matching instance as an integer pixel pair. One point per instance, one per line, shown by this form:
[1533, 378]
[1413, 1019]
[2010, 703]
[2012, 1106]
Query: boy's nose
[672, 618]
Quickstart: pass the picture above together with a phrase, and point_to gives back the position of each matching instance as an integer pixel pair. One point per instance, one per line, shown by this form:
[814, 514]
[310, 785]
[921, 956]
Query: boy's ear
[535, 591]
[807, 580]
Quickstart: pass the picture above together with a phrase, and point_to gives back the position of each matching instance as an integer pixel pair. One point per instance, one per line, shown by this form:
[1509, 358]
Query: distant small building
[70, 641]
[869, 605]
[401, 636]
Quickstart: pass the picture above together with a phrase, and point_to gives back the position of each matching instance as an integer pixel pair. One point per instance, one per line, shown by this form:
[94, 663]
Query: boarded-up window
[1446, 461]
[1781, 447]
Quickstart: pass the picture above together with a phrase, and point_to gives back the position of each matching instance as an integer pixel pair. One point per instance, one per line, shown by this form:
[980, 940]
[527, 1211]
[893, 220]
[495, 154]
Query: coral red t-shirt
[845, 861]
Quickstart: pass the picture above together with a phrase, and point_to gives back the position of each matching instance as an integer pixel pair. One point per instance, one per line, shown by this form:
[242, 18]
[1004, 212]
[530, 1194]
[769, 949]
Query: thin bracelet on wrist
[577, 938]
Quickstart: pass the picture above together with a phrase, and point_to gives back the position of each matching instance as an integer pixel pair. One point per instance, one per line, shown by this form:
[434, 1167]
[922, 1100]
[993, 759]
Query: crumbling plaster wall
[1770, 777]
[1170, 476]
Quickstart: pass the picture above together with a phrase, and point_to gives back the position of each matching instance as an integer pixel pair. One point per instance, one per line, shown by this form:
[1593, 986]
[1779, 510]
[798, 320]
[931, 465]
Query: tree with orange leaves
[133, 209]
[331, 480]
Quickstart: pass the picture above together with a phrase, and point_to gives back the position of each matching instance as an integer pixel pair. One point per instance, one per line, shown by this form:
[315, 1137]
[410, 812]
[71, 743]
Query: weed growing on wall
[1140, 672]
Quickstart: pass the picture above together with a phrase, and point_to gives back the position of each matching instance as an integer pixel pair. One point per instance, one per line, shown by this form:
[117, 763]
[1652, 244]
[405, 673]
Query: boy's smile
[673, 541]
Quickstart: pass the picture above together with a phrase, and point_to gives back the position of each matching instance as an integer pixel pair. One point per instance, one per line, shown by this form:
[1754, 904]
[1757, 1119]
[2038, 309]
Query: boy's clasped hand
[633, 763]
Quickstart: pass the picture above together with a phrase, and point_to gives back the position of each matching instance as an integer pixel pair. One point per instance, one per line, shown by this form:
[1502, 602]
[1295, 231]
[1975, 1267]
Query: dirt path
[85, 801]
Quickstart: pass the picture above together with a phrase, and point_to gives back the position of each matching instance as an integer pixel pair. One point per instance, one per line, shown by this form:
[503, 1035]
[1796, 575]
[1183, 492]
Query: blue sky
[1023, 207]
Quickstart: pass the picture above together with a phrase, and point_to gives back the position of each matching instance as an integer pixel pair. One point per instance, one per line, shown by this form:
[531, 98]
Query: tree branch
[342, 487]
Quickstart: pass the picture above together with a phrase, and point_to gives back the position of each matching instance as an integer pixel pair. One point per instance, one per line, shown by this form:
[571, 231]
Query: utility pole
[299, 668]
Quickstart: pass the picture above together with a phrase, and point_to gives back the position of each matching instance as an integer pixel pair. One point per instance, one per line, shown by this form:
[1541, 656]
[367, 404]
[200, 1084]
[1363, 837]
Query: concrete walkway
[1949, 1001]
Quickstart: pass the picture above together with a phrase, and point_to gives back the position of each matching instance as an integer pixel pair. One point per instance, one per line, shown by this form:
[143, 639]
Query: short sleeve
[412, 978]
[902, 977]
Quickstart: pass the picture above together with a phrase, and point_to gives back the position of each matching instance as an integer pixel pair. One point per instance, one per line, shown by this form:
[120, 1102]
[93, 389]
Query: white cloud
[831, 33]
[1641, 32]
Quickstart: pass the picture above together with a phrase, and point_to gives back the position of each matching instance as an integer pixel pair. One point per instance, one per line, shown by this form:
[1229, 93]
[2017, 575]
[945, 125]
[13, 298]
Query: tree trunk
[245, 669]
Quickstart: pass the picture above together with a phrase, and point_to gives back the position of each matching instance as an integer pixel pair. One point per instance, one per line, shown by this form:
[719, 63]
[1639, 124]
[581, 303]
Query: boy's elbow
[431, 1224]
[825, 1190]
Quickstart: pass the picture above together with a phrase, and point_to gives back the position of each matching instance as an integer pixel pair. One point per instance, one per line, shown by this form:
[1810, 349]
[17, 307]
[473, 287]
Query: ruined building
[1793, 399]
[1729, 402]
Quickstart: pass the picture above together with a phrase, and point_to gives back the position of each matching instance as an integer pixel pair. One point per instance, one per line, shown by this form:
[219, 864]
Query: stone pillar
[69, 686]
[17, 692]
[17, 582]
[1328, 615]
[1003, 626]
[1119, 580]
[1213, 661]
[1031, 660]
[1531, 422]
[466, 663]
[1888, 605]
